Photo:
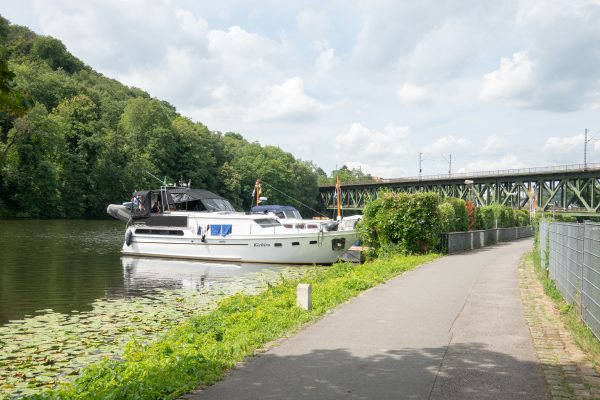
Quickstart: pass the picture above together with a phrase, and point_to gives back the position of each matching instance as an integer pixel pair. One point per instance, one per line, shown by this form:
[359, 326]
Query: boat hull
[308, 248]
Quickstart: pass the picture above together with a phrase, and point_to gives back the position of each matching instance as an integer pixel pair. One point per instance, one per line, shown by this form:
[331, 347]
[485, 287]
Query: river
[68, 298]
[66, 265]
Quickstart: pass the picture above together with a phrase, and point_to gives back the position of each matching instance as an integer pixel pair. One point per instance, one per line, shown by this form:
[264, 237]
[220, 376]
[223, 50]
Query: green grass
[581, 333]
[199, 351]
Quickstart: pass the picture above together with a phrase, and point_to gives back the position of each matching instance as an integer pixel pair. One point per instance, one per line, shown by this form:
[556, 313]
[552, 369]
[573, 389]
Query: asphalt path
[452, 329]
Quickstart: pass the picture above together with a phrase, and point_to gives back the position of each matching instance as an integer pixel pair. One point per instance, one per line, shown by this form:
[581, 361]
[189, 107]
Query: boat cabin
[164, 200]
[281, 212]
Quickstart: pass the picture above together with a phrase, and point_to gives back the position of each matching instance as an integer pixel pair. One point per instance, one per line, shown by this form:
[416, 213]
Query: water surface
[66, 265]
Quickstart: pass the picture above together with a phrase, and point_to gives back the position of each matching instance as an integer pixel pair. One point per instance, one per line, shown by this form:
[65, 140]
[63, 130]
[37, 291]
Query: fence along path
[571, 252]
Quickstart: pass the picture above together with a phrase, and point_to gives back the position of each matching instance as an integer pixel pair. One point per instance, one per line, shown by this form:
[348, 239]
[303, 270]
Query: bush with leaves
[407, 223]
[460, 214]
[522, 217]
[484, 217]
[471, 217]
[447, 221]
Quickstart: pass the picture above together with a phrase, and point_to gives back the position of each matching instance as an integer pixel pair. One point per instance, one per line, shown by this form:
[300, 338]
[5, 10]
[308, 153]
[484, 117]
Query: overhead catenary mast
[338, 192]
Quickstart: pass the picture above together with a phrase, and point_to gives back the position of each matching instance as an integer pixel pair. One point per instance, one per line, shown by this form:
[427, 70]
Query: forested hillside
[73, 141]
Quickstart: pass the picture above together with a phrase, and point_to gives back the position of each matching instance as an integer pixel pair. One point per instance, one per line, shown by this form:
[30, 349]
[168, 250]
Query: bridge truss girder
[577, 191]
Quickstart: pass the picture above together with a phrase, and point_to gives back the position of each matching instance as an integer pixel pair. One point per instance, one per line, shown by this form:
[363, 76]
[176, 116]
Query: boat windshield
[217, 205]
[292, 214]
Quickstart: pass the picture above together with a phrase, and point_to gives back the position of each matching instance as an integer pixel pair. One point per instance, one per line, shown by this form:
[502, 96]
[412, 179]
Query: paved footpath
[452, 329]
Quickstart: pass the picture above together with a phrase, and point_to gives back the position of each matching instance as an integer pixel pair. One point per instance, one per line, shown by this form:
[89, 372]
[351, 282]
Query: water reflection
[60, 265]
[141, 274]
[66, 265]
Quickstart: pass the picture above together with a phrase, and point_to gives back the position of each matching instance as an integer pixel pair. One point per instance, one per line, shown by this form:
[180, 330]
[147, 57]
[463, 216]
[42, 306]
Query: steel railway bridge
[567, 188]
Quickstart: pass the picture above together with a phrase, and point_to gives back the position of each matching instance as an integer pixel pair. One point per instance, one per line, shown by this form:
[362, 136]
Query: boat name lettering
[262, 244]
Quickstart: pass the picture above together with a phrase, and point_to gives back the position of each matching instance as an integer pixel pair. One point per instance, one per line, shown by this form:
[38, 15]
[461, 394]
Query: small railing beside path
[456, 242]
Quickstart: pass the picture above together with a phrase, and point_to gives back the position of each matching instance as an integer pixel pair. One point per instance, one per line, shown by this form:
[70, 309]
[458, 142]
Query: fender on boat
[128, 237]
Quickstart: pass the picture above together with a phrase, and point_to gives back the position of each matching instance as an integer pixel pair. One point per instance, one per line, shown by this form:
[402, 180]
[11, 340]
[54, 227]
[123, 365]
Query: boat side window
[267, 222]
[280, 214]
[140, 205]
[155, 201]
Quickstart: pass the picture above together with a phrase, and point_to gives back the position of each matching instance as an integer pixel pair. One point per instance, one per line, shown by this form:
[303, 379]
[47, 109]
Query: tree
[31, 184]
[76, 119]
[350, 175]
[55, 54]
[13, 104]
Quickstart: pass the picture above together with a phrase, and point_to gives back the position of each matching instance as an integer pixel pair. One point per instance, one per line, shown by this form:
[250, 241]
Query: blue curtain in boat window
[199, 231]
[225, 230]
[220, 230]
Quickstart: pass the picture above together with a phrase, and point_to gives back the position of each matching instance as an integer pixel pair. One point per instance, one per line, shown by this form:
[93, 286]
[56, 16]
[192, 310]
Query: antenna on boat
[293, 199]
[162, 182]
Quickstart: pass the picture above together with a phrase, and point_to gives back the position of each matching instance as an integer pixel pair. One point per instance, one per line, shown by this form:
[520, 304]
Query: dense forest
[73, 141]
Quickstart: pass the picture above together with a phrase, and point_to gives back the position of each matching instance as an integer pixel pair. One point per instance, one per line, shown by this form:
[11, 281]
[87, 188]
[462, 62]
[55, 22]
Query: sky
[368, 84]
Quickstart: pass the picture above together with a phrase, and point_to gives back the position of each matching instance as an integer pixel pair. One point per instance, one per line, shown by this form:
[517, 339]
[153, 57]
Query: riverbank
[200, 350]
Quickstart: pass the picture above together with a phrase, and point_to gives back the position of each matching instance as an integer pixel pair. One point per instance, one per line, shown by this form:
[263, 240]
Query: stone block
[304, 296]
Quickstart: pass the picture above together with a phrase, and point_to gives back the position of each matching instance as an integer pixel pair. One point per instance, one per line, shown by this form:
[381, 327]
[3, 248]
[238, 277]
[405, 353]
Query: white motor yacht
[197, 224]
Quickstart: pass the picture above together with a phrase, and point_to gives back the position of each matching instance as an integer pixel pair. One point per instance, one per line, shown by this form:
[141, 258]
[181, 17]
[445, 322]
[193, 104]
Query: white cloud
[494, 144]
[378, 151]
[410, 94]
[508, 161]
[326, 58]
[563, 145]
[288, 101]
[313, 24]
[512, 79]
[447, 144]
[558, 66]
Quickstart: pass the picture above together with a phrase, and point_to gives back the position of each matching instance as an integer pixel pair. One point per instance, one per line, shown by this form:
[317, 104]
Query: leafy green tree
[55, 54]
[230, 185]
[13, 104]
[350, 175]
[31, 185]
[76, 119]
[195, 158]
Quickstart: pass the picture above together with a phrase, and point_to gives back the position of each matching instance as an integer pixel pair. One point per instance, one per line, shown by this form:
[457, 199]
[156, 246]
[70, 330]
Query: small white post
[304, 296]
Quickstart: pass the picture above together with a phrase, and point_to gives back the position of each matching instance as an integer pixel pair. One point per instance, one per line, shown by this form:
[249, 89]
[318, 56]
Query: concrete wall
[456, 242]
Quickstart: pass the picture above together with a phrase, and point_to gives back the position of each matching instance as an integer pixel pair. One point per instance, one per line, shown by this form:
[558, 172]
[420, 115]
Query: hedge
[401, 222]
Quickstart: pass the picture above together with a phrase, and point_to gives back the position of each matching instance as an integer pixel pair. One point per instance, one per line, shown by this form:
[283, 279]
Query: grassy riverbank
[200, 350]
[582, 335]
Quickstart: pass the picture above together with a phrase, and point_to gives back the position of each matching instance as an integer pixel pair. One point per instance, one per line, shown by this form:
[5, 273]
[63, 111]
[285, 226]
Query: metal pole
[450, 165]
[585, 142]
[420, 164]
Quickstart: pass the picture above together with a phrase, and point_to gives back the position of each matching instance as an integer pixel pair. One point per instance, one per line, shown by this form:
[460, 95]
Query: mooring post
[304, 296]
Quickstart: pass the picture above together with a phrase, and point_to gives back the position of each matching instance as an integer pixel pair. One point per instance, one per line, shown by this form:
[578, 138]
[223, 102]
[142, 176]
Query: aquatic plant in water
[42, 350]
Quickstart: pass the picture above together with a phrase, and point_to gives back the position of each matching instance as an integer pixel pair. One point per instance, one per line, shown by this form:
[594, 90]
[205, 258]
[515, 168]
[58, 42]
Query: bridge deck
[564, 187]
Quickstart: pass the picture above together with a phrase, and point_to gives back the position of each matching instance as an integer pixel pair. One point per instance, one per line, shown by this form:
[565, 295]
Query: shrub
[461, 217]
[471, 217]
[408, 222]
[522, 217]
[505, 217]
[447, 221]
[484, 217]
